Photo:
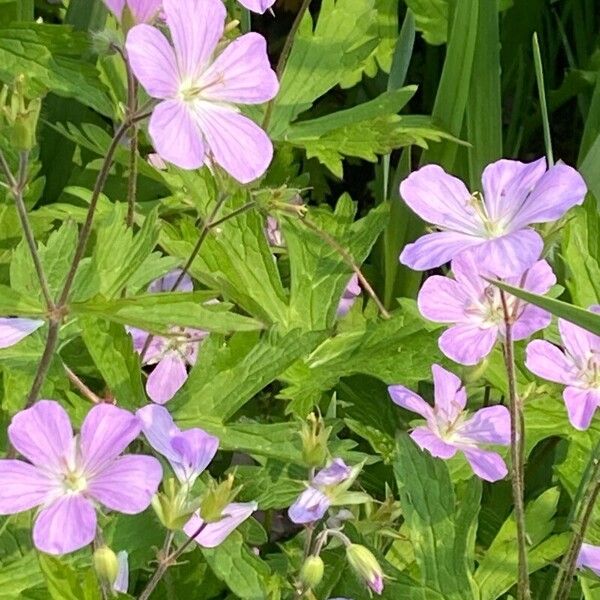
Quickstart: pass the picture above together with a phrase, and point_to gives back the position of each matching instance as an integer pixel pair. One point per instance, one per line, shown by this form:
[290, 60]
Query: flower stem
[517, 454]
[132, 101]
[45, 362]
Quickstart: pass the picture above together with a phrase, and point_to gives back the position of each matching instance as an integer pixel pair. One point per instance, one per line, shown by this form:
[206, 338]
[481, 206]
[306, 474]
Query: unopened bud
[19, 114]
[366, 566]
[314, 437]
[106, 565]
[172, 506]
[105, 43]
[312, 571]
[217, 498]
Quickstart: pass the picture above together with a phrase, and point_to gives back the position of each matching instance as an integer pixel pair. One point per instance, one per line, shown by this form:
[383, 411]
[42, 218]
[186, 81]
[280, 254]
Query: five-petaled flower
[14, 329]
[449, 430]
[67, 475]
[197, 121]
[494, 226]
[474, 308]
[577, 367]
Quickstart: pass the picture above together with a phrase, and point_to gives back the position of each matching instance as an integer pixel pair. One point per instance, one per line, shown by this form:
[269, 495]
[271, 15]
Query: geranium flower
[494, 226]
[197, 121]
[257, 6]
[14, 329]
[142, 11]
[68, 476]
[351, 293]
[577, 367]
[474, 308]
[589, 558]
[449, 430]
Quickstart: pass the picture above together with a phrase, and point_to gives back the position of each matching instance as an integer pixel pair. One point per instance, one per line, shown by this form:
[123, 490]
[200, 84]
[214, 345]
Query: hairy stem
[45, 361]
[517, 454]
[132, 101]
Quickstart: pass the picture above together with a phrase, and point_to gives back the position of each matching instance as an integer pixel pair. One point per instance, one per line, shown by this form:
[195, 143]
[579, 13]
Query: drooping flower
[474, 308]
[577, 367]
[171, 354]
[449, 430]
[494, 226]
[313, 503]
[351, 293]
[14, 329]
[189, 451]
[67, 475]
[142, 11]
[366, 566]
[589, 558]
[197, 121]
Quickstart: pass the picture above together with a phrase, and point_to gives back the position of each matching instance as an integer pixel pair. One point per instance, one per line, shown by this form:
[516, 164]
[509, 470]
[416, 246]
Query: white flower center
[490, 228]
[74, 482]
[590, 374]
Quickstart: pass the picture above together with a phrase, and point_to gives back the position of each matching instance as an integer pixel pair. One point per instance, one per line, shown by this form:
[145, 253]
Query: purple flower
[589, 558]
[67, 475]
[495, 226]
[196, 121]
[257, 6]
[312, 504]
[214, 534]
[142, 11]
[189, 452]
[448, 430]
[122, 581]
[349, 296]
[577, 367]
[474, 308]
[273, 232]
[13, 330]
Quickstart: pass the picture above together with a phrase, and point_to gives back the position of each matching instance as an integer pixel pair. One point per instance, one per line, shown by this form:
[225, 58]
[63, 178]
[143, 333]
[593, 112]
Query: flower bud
[312, 571]
[172, 506]
[19, 115]
[216, 499]
[366, 566]
[106, 565]
[314, 437]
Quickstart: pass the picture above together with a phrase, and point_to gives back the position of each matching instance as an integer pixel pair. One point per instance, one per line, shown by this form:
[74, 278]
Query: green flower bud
[312, 571]
[314, 437]
[172, 505]
[216, 498]
[19, 115]
[106, 565]
[365, 565]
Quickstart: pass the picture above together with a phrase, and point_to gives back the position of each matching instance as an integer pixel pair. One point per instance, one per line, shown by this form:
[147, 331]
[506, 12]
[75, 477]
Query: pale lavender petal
[589, 557]
[468, 344]
[257, 6]
[66, 525]
[13, 330]
[144, 11]
[195, 449]
[106, 431]
[581, 405]
[241, 73]
[490, 425]
[470, 274]
[407, 399]
[196, 28]
[23, 486]
[560, 188]
[443, 300]
[344, 306]
[168, 281]
[349, 296]
[539, 279]
[176, 136]
[116, 7]
[167, 378]
[435, 249]
[532, 319]
[311, 506]
[441, 199]
[215, 533]
[273, 232]
[159, 429]
[449, 392]
[427, 440]
[487, 465]
[235, 142]
[152, 61]
[121, 583]
[549, 362]
[508, 183]
[43, 435]
[579, 342]
[510, 254]
[127, 484]
[333, 474]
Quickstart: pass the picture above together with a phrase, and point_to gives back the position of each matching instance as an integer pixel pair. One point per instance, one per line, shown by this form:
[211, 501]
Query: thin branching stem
[45, 361]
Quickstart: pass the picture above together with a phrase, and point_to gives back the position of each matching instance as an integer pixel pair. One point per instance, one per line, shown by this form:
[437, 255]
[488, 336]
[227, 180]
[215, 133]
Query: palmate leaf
[431, 19]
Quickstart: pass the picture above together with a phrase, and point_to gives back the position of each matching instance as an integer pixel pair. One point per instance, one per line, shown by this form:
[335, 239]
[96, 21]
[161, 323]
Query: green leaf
[431, 19]
[66, 583]
[20, 575]
[51, 58]
[440, 526]
[14, 303]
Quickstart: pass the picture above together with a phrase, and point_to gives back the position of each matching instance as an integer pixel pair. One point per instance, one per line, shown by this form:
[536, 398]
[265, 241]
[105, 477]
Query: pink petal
[167, 378]
[196, 27]
[581, 405]
[538, 279]
[508, 183]
[121, 583]
[167, 283]
[140, 339]
[443, 300]
[257, 6]
[469, 273]
[468, 344]
[589, 557]
[241, 73]
[152, 61]
[549, 362]
[127, 484]
[560, 188]
[311, 506]
[144, 11]
[105, 433]
[215, 533]
[441, 199]
[490, 425]
[66, 525]
[43, 435]
[116, 7]
[532, 319]
[579, 342]
[13, 330]
[176, 136]
[407, 399]
[449, 392]
[159, 429]
[487, 465]
[427, 440]
[435, 249]
[23, 486]
[235, 142]
[195, 449]
[334, 473]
